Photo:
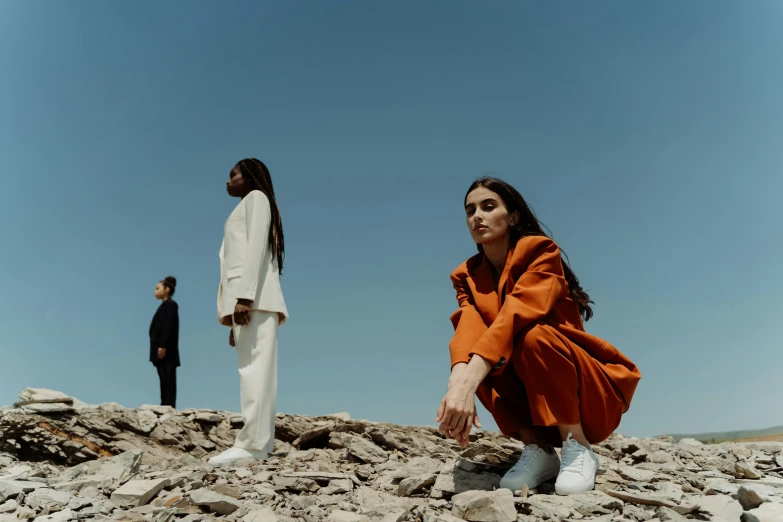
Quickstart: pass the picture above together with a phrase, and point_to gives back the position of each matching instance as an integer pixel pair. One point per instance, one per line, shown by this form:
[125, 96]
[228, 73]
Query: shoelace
[527, 454]
[573, 454]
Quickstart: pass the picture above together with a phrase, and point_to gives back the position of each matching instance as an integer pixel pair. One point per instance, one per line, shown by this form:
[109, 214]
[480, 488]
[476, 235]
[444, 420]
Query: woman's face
[487, 216]
[161, 292]
[236, 183]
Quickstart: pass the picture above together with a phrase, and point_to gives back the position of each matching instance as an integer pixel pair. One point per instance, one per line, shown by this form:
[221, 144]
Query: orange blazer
[532, 290]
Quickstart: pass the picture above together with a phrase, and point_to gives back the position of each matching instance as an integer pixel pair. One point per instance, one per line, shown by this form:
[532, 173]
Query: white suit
[248, 270]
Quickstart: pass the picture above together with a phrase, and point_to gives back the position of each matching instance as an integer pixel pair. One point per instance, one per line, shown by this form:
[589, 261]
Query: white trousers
[256, 345]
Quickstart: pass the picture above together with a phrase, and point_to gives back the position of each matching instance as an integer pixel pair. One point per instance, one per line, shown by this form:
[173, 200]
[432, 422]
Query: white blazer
[248, 270]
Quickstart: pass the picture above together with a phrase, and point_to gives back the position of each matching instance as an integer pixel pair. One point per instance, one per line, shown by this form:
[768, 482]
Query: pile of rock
[79, 462]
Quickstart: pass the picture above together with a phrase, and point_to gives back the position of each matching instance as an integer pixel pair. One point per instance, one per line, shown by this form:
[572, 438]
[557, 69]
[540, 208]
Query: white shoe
[534, 466]
[231, 455]
[577, 470]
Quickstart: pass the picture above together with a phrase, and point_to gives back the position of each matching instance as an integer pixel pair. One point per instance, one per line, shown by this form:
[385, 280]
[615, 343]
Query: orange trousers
[551, 381]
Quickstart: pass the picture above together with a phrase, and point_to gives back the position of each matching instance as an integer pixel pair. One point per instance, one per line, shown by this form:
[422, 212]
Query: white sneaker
[577, 470]
[534, 466]
[231, 455]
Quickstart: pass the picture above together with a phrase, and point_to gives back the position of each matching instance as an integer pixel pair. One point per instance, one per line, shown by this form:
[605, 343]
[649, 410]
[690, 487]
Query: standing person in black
[164, 341]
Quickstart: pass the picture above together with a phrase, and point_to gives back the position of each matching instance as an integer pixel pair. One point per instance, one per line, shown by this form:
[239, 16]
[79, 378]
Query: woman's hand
[457, 412]
[231, 338]
[161, 353]
[457, 415]
[242, 312]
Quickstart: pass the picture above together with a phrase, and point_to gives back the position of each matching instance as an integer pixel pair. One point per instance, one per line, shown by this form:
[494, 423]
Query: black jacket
[164, 333]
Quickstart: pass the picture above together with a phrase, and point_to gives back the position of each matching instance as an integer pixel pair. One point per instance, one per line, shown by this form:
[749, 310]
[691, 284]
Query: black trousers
[168, 384]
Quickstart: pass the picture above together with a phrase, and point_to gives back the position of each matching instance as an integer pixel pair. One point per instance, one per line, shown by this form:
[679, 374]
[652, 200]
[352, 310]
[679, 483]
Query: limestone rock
[452, 479]
[768, 512]
[61, 516]
[214, 502]
[748, 498]
[47, 498]
[345, 516]
[417, 484]
[138, 492]
[722, 506]
[364, 450]
[485, 506]
[263, 514]
[101, 462]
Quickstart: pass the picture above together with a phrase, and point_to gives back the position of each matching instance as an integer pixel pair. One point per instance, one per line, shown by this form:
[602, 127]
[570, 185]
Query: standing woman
[164, 341]
[250, 302]
[520, 345]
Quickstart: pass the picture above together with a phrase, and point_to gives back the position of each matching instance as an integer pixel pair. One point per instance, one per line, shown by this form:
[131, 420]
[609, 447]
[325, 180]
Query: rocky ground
[63, 460]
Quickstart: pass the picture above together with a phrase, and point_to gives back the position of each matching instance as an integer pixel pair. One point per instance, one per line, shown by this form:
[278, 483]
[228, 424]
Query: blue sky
[645, 135]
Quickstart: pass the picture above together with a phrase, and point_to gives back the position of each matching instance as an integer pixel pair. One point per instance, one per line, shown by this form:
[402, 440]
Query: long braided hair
[529, 225]
[256, 177]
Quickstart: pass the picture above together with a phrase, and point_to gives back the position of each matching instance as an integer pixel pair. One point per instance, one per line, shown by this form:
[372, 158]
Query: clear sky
[647, 136]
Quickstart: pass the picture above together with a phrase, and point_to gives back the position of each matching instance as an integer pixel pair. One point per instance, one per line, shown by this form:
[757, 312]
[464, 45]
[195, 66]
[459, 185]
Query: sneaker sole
[574, 491]
[540, 480]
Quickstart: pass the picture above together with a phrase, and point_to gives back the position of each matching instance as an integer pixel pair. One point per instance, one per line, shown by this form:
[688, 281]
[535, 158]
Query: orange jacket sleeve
[467, 322]
[534, 295]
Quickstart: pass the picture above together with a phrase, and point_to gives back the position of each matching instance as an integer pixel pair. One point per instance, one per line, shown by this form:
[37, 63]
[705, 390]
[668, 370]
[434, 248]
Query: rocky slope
[63, 460]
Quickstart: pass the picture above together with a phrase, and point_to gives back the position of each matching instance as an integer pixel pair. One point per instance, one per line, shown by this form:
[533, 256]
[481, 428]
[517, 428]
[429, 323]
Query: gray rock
[296, 484]
[485, 506]
[214, 502]
[377, 503]
[138, 492]
[345, 516]
[772, 447]
[364, 472]
[9, 489]
[413, 485]
[453, 479]
[228, 490]
[768, 512]
[440, 517]
[588, 504]
[748, 471]
[119, 468]
[417, 466]
[209, 418]
[61, 516]
[322, 476]
[263, 514]
[634, 474]
[665, 514]
[364, 450]
[397, 516]
[748, 498]
[16, 472]
[669, 491]
[302, 502]
[722, 506]
[337, 487]
[48, 498]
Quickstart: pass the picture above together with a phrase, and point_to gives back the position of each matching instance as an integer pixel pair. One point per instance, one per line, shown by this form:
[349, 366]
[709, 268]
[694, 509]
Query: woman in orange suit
[520, 345]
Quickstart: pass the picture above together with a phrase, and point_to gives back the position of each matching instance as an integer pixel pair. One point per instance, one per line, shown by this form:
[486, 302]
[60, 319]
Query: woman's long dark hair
[529, 225]
[257, 177]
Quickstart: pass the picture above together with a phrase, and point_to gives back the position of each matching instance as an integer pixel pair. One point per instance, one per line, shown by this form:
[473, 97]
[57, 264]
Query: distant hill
[719, 436]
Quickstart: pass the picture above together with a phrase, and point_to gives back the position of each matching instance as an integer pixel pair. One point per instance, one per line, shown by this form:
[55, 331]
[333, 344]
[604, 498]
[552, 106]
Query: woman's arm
[258, 217]
[467, 322]
[170, 322]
